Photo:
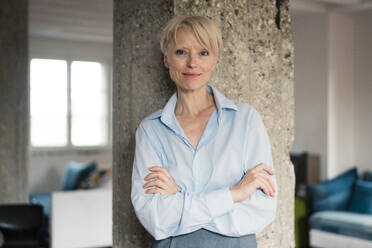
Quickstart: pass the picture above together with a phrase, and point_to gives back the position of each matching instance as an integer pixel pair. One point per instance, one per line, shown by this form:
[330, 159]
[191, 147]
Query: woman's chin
[191, 85]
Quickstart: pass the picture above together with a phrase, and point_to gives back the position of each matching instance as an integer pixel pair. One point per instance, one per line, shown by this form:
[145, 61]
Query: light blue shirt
[233, 141]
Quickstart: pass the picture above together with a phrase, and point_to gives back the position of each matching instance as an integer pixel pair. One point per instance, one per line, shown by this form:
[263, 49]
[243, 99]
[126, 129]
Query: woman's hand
[160, 181]
[255, 178]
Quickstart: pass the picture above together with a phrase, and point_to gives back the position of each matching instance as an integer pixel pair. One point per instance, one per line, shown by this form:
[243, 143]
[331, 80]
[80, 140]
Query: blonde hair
[206, 31]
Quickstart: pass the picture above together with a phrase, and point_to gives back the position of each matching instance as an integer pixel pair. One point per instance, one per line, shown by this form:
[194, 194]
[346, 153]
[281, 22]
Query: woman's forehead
[186, 37]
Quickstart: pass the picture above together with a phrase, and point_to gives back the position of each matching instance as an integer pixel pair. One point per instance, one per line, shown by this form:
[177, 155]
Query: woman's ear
[166, 61]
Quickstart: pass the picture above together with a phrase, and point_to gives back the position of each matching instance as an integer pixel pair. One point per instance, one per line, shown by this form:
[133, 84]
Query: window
[69, 103]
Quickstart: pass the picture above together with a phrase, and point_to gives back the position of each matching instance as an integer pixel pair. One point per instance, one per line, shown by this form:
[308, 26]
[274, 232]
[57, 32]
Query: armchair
[20, 225]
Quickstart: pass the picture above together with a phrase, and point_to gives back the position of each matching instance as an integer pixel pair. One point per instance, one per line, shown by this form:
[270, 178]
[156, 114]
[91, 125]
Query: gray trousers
[205, 239]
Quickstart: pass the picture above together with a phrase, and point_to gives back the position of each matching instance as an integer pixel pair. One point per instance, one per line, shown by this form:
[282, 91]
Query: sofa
[341, 211]
[82, 218]
[77, 176]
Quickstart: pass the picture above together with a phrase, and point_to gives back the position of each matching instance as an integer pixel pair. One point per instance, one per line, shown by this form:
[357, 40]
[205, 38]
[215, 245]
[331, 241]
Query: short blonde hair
[206, 31]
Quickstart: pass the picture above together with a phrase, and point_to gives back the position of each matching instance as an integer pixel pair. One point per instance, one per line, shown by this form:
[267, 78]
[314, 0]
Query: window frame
[69, 147]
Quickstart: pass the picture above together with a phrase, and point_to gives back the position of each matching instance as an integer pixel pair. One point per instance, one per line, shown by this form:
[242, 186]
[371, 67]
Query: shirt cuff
[219, 202]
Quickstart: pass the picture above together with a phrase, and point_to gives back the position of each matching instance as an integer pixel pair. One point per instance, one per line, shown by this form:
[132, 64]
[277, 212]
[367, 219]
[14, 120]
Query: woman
[203, 173]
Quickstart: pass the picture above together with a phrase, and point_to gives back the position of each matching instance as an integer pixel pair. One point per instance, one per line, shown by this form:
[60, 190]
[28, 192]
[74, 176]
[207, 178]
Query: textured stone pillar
[256, 66]
[14, 101]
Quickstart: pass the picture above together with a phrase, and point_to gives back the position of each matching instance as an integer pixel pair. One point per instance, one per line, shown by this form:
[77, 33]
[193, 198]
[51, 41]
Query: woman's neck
[191, 103]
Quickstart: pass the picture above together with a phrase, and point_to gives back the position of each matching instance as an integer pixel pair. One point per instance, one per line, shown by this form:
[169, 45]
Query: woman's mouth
[191, 75]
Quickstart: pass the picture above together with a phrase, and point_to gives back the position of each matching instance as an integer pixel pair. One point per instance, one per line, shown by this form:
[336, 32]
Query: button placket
[195, 184]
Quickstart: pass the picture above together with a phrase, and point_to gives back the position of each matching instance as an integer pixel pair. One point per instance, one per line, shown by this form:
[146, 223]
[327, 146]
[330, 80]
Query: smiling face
[190, 63]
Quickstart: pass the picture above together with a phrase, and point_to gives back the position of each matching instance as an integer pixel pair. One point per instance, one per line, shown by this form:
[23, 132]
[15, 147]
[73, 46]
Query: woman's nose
[192, 61]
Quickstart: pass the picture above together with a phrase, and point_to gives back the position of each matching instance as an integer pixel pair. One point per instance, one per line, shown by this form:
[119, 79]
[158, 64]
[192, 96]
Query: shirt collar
[167, 114]
[222, 101]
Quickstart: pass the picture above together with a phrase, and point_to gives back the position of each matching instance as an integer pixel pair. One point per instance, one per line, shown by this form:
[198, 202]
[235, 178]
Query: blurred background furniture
[341, 212]
[307, 169]
[82, 218]
[20, 225]
[1, 239]
[75, 175]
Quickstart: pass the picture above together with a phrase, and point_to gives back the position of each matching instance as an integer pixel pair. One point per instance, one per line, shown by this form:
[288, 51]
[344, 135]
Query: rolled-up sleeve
[159, 214]
[258, 210]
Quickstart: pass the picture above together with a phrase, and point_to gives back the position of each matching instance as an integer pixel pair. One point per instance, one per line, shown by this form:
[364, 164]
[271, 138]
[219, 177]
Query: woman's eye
[204, 53]
[180, 52]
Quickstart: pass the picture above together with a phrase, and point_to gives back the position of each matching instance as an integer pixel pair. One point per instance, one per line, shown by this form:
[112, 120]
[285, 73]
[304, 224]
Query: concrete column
[256, 66]
[14, 101]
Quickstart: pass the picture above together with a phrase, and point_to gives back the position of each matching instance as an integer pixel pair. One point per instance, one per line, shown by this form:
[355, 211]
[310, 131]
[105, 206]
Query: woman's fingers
[270, 181]
[160, 179]
[157, 175]
[156, 191]
[265, 186]
[157, 183]
[159, 169]
[261, 174]
[265, 182]
[258, 177]
[161, 173]
[264, 167]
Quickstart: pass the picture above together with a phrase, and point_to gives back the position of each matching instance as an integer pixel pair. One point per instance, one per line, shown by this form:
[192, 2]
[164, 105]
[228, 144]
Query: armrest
[1, 239]
[81, 218]
[20, 217]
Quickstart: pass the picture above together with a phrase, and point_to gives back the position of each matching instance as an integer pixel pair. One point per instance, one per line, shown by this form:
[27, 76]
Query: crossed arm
[165, 211]
[160, 182]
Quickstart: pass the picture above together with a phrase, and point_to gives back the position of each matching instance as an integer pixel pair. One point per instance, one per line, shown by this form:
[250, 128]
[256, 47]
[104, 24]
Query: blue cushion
[333, 194]
[343, 223]
[75, 173]
[361, 199]
[41, 199]
[368, 176]
[44, 200]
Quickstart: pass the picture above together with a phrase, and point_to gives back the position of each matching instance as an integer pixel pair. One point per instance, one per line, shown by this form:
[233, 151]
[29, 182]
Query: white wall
[363, 89]
[67, 49]
[47, 167]
[310, 38]
[340, 138]
[333, 88]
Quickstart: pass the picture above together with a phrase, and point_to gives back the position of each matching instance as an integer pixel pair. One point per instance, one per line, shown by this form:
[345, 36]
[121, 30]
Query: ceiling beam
[340, 2]
[321, 6]
[307, 6]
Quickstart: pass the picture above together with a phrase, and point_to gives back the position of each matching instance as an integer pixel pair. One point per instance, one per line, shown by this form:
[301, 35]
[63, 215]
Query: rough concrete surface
[14, 101]
[256, 67]
[140, 86]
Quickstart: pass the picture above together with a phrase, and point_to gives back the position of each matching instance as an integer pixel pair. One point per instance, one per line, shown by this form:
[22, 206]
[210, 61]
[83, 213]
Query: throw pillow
[75, 173]
[368, 176]
[333, 194]
[361, 199]
[95, 179]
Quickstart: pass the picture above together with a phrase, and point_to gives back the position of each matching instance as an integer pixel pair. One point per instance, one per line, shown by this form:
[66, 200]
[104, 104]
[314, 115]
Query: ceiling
[347, 6]
[84, 20]
[92, 20]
